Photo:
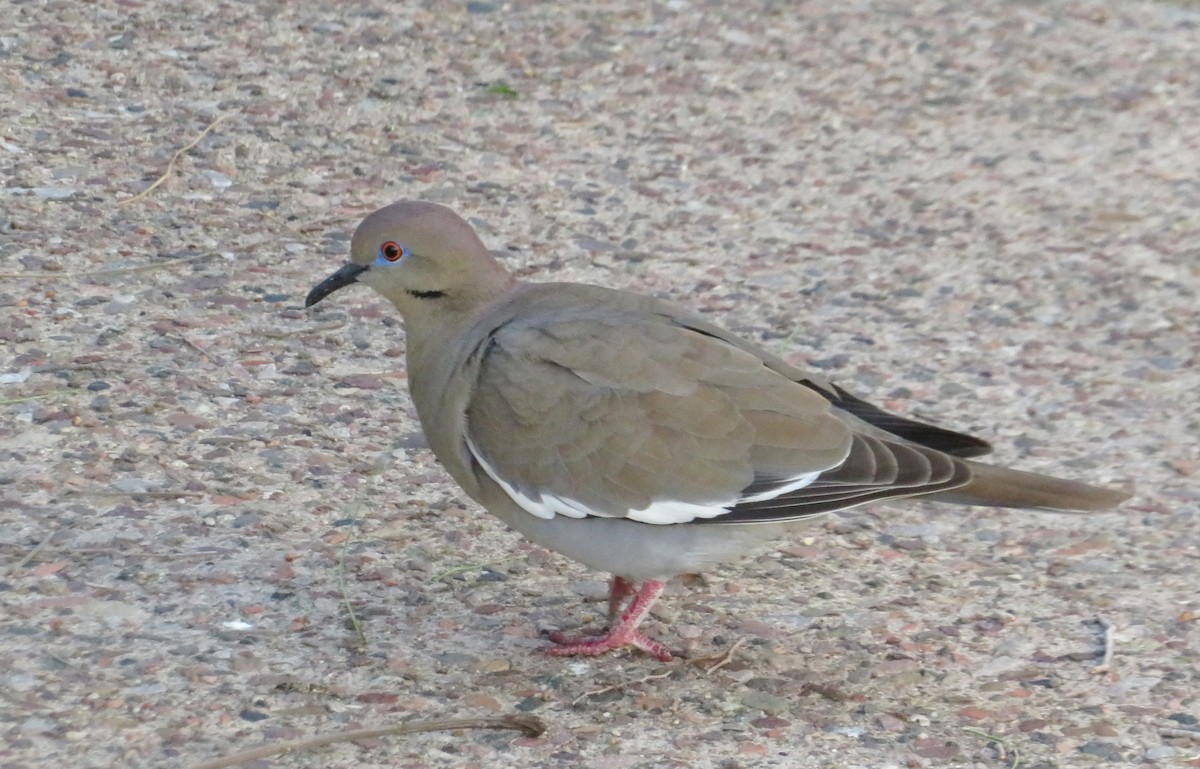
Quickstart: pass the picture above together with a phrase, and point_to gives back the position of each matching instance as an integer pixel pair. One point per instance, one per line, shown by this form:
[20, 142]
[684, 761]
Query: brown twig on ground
[1170, 731]
[171, 163]
[530, 725]
[1109, 646]
[1002, 748]
[119, 493]
[203, 352]
[720, 660]
[620, 685]
[37, 396]
[360, 635]
[122, 553]
[66, 663]
[39, 547]
[474, 567]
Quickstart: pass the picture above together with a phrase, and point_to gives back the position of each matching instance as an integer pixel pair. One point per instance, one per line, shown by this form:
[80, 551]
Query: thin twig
[110, 272]
[721, 660]
[66, 663]
[341, 579]
[786, 343]
[119, 493]
[1191, 734]
[1109, 646]
[39, 396]
[530, 725]
[171, 163]
[203, 352]
[474, 566]
[122, 553]
[620, 685]
[1001, 745]
[37, 549]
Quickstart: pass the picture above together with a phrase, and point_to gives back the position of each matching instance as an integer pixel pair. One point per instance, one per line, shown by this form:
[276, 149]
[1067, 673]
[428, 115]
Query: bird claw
[617, 638]
[623, 631]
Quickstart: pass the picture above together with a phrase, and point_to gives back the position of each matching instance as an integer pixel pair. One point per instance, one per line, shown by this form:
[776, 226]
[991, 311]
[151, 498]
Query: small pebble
[456, 659]
[1159, 752]
[131, 485]
[1105, 750]
[55, 193]
[767, 703]
[218, 180]
[493, 666]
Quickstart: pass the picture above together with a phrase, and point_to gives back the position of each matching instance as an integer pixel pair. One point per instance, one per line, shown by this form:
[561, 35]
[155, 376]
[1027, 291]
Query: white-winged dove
[634, 436]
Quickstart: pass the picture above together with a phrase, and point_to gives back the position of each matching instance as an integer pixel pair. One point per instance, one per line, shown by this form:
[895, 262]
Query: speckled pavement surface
[982, 213]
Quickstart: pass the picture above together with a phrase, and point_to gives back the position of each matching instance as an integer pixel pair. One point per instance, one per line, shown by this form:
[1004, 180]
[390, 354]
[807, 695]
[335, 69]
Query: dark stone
[530, 704]
[1104, 750]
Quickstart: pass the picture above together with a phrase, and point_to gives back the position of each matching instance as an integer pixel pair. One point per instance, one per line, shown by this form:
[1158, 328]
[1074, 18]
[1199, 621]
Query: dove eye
[392, 251]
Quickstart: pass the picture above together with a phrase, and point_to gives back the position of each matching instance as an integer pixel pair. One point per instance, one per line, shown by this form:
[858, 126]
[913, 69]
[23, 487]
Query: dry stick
[620, 685]
[107, 273]
[203, 352]
[37, 549]
[473, 567]
[722, 660]
[356, 510]
[38, 396]
[171, 163]
[66, 663]
[531, 725]
[119, 493]
[1000, 746]
[1106, 661]
[122, 553]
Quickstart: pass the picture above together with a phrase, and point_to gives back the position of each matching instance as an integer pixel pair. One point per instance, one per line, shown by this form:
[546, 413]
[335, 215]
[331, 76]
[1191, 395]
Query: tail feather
[1004, 487]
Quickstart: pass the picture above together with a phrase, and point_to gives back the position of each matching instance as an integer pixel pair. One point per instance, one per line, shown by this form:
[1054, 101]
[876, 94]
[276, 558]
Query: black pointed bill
[340, 279]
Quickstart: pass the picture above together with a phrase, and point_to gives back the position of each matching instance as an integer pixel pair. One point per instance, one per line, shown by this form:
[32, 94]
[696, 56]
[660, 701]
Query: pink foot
[624, 632]
[590, 646]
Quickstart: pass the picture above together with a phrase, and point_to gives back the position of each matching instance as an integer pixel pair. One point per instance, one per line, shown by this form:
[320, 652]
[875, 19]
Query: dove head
[423, 257]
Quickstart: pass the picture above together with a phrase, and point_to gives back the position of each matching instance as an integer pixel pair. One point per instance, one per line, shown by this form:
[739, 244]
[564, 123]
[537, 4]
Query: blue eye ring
[391, 251]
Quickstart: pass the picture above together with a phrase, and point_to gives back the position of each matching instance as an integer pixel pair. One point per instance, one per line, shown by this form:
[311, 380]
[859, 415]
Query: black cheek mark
[427, 294]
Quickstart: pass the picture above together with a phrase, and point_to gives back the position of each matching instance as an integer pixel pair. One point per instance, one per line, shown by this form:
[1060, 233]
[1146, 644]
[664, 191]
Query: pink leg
[623, 633]
[618, 590]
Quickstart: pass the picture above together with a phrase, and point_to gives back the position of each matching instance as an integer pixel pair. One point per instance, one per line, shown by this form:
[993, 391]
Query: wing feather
[631, 417]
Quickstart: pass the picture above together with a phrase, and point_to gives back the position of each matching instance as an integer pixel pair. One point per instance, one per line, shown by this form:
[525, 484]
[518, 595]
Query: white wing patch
[662, 512]
[785, 487]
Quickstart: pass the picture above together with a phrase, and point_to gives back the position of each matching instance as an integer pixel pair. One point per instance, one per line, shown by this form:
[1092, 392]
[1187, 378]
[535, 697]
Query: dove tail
[1004, 487]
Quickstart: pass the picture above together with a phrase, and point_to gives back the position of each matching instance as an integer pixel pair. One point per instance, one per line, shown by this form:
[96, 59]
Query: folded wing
[628, 416]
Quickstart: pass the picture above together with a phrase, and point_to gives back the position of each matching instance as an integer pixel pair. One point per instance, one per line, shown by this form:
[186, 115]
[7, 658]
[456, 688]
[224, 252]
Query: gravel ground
[982, 213]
